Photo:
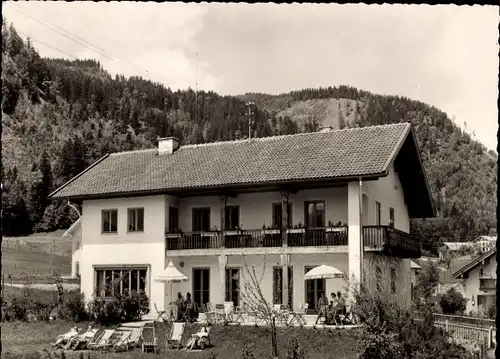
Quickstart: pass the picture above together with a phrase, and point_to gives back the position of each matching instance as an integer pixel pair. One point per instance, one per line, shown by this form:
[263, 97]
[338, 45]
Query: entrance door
[314, 289]
[233, 286]
[201, 286]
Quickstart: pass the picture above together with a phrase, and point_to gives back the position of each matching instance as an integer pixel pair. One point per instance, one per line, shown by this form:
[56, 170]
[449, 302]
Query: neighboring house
[485, 243]
[479, 281]
[74, 233]
[342, 198]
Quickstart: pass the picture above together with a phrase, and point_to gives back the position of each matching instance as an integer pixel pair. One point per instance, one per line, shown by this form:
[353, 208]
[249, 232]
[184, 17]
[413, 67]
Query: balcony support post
[284, 237]
[223, 203]
[355, 229]
[222, 273]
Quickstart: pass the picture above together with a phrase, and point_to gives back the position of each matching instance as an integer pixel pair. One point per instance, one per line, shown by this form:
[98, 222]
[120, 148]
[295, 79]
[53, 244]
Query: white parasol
[171, 275]
[323, 272]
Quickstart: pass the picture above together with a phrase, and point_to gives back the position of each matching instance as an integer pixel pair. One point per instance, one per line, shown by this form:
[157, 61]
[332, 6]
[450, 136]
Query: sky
[446, 55]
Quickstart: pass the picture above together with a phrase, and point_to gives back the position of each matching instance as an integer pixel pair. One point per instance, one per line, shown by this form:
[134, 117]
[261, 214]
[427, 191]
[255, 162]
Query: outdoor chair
[238, 312]
[104, 341]
[95, 340]
[121, 344]
[135, 337]
[200, 339]
[220, 314]
[163, 315]
[209, 314]
[63, 339]
[344, 317]
[81, 340]
[228, 311]
[175, 338]
[299, 316]
[149, 339]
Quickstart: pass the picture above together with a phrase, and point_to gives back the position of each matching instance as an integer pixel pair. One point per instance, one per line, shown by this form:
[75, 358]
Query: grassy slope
[21, 261]
[228, 342]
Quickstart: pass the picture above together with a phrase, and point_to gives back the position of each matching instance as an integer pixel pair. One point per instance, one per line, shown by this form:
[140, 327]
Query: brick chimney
[167, 145]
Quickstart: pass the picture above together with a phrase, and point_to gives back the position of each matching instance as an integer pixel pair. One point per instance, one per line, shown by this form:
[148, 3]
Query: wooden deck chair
[220, 313]
[149, 339]
[200, 339]
[161, 314]
[135, 338]
[121, 343]
[322, 313]
[92, 341]
[174, 339]
[78, 341]
[104, 341]
[210, 314]
[63, 339]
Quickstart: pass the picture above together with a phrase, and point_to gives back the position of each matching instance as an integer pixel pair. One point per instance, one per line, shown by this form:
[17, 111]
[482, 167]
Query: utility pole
[250, 114]
[196, 92]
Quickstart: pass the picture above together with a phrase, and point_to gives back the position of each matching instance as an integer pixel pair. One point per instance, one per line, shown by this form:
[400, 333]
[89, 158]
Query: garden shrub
[294, 351]
[73, 307]
[124, 307]
[452, 302]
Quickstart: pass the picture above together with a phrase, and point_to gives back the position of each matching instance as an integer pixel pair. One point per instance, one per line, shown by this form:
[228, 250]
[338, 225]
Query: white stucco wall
[471, 283]
[76, 255]
[264, 267]
[145, 248]
[389, 192]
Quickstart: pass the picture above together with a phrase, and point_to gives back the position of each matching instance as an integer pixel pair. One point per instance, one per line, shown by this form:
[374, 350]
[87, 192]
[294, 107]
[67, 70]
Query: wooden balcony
[392, 242]
[376, 238]
[487, 283]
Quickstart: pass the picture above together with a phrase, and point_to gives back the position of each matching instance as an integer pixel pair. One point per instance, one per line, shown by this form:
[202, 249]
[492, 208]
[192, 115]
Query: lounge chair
[104, 341]
[149, 339]
[220, 313]
[121, 344]
[200, 339]
[135, 338]
[210, 314]
[175, 338]
[81, 340]
[63, 339]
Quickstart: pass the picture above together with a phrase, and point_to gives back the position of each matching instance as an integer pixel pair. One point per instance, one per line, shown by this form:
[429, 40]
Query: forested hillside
[59, 116]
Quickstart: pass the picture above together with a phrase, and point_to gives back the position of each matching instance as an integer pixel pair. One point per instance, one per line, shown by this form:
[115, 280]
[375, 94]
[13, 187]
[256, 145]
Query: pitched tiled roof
[320, 155]
[475, 262]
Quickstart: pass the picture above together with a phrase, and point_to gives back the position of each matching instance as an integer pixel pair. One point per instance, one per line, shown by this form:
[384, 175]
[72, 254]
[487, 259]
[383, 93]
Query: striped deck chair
[135, 338]
[104, 341]
[149, 339]
[175, 338]
[93, 341]
[81, 340]
[121, 344]
[63, 339]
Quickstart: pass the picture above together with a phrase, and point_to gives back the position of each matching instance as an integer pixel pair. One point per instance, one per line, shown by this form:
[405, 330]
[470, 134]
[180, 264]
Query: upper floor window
[201, 219]
[314, 214]
[173, 219]
[378, 212]
[136, 219]
[391, 217]
[232, 219]
[109, 219]
[277, 215]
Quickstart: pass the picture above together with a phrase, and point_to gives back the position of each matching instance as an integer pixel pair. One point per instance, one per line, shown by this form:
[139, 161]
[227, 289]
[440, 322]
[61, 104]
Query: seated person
[199, 339]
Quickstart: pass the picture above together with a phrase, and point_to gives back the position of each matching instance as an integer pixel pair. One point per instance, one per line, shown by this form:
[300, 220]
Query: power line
[48, 45]
[82, 41]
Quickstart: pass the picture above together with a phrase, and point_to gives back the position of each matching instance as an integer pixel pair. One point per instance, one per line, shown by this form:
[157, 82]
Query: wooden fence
[480, 330]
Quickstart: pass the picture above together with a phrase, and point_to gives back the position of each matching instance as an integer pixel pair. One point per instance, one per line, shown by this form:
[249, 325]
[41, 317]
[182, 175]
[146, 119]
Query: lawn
[21, 339]
[18, 262]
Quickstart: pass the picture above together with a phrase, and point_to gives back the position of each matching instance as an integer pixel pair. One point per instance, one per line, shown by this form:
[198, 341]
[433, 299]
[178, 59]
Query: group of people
[187, 310]
[333, 309]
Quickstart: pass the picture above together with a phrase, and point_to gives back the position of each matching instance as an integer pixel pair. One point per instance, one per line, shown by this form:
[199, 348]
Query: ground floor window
[201, 286]
[233, 286]
[110, 281]
[278, 286]
[314, 289]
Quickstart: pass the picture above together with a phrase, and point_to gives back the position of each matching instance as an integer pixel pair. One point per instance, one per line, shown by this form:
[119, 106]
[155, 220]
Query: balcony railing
[389, 240]
[487, 283]
[392, 241]
[193, 240]
[316, 237]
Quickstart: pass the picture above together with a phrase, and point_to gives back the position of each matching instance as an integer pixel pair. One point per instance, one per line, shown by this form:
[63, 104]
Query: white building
[74, 233]
[479, 281]
[285, 203]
